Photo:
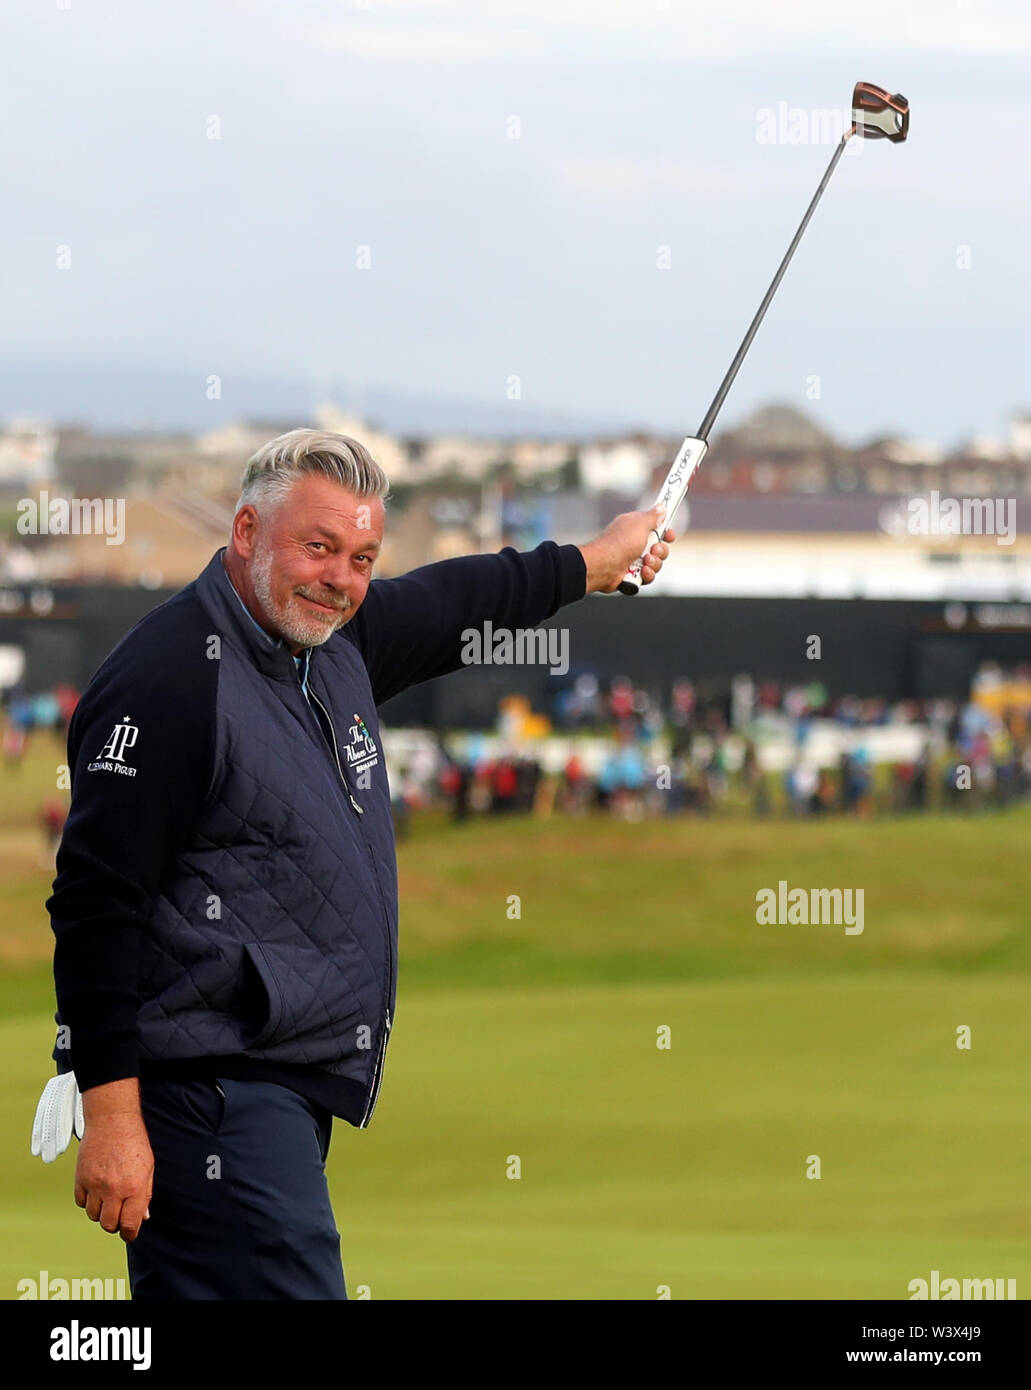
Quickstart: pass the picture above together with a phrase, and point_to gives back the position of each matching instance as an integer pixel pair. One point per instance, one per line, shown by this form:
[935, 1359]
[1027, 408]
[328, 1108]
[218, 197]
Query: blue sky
[387, 125]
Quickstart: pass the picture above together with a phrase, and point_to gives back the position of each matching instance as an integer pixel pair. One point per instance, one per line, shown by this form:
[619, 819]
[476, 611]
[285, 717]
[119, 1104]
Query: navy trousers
[241, 1207]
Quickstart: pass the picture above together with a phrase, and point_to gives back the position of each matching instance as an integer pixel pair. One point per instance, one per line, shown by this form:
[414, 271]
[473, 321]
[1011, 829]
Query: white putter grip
[692, 451]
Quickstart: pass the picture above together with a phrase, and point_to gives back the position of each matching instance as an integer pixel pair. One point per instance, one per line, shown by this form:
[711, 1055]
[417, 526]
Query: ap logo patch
[111, 757]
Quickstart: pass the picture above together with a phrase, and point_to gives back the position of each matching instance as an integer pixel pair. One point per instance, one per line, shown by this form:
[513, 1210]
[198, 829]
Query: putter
[875, 116]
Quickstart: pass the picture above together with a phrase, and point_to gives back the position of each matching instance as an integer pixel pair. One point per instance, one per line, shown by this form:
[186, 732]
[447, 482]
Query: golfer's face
[312, 565]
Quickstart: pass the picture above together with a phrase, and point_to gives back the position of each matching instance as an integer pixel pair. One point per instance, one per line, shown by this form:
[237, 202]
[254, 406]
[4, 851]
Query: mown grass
[532, 1035]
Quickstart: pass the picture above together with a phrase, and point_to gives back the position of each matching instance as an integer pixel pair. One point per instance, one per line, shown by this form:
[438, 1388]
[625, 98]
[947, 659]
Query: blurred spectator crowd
[619, 750]
[25, 713]
[759, 749]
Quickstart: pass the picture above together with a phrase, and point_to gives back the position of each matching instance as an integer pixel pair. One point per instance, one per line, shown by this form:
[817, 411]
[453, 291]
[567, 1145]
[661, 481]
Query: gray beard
[301, 628]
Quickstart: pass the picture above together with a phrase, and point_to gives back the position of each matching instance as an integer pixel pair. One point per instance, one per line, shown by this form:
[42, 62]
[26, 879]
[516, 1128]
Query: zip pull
[336, 753]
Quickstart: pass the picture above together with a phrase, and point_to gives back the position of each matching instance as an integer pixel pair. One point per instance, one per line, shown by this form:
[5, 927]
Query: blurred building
[91, 463]
[28, 455]
[168, 539]
[625, 464]
[786, 532]
[839, 547]
[220, 456]
[1020, 438]
[389, 452]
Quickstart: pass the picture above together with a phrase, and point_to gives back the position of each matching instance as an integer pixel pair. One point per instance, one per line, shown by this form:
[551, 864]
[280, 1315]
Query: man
[225, 905]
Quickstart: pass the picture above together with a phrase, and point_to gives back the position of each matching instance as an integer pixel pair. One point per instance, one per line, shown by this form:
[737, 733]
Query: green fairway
[533, 1037]
[642, 1168]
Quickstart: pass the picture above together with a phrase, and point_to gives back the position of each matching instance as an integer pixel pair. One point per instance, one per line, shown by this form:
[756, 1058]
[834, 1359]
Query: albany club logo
[111, 757]
[362, 753]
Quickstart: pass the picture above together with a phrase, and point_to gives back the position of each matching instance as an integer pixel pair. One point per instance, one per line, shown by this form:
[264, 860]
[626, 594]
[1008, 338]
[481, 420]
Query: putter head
[879, 116]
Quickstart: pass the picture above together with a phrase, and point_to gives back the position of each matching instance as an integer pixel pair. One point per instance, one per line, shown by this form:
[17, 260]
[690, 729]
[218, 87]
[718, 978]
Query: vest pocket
[266, 980]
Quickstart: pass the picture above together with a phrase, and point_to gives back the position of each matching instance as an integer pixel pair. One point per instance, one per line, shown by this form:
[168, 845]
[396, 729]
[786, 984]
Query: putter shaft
[746, 342]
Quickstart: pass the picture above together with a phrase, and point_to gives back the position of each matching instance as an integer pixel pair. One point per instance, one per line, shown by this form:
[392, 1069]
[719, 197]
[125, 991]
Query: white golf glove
[58, 1112]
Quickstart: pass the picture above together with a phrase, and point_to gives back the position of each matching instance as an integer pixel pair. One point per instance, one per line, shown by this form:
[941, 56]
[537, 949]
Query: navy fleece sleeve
[409, 629]
[141, 754]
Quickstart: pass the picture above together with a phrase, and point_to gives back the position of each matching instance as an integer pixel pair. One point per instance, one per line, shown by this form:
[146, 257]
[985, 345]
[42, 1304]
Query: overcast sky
[387, 125]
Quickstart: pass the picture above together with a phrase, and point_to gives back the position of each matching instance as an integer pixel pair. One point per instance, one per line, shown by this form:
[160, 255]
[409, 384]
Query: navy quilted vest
[293, 859]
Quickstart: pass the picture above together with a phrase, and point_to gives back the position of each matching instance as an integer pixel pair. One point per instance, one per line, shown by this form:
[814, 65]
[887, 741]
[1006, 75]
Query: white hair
[277, 465]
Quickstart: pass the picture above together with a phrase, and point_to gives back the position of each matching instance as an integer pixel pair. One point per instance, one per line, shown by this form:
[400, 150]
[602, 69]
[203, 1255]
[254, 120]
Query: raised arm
[410, 629]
